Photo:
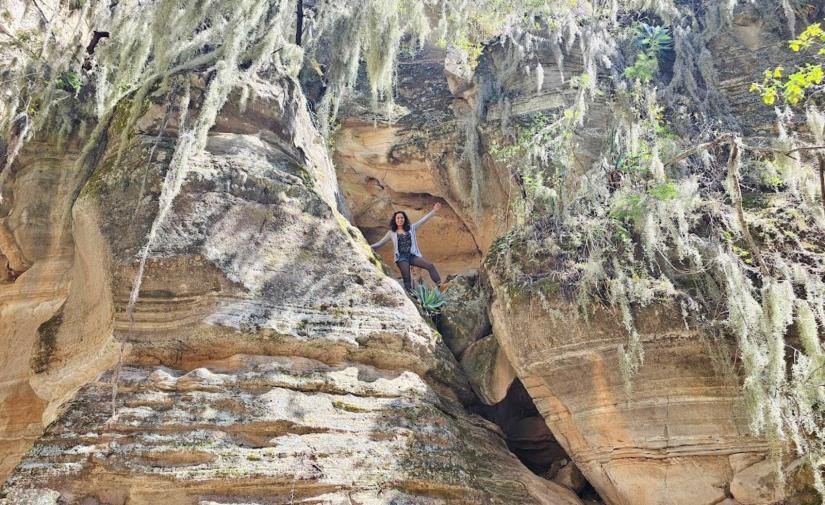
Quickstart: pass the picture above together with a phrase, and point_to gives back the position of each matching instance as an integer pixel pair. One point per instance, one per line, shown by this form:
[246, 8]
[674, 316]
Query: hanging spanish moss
[658, 217]
[661, 217]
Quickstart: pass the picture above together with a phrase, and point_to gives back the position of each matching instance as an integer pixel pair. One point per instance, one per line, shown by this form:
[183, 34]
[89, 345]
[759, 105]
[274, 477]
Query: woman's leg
[404, 266]
[420, 262]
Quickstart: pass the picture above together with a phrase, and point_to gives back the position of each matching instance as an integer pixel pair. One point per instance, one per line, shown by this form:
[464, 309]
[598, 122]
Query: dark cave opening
[532, 442]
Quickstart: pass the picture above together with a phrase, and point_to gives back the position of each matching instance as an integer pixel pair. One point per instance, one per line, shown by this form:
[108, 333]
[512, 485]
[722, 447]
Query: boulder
[570, 477]
[757, 484]
[488, 370]
[464, 319]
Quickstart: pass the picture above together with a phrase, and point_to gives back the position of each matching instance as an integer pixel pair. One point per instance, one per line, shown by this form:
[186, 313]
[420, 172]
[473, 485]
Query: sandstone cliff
[262, 354]
[265, 357]
[684, 434]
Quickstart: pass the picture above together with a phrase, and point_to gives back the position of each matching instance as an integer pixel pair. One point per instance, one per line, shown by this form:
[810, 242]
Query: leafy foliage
[69, 81]
[651, 41]
[635, 230]
[792, 88]
[644, 68]
[663, 192]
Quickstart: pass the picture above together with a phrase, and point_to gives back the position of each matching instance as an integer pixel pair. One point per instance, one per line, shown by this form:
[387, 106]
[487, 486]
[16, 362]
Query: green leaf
[664, 192]
[431, 300]
[69, 81]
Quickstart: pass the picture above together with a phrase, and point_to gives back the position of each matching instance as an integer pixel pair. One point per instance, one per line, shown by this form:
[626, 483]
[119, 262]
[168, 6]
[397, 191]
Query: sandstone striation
[55, 305]
[263, 430]
[56, 315]
[267, 358]
[680, 437]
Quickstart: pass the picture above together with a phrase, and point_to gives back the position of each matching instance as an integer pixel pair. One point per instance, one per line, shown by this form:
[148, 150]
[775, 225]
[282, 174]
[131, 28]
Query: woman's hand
[437, 207]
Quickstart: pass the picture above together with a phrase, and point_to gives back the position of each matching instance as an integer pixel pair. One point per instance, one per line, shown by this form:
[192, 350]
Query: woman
[403, 238]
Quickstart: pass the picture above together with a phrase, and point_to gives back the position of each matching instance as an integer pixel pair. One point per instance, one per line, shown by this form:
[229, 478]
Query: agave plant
[431, 300]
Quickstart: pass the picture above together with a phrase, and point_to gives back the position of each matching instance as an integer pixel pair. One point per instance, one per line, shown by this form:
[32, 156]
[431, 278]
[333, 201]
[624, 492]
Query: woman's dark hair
[406, 221]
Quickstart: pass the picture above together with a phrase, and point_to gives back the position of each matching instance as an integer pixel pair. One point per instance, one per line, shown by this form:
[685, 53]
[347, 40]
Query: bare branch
[726, 138]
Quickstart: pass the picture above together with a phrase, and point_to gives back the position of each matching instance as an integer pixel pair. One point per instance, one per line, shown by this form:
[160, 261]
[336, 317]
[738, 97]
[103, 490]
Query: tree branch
[45, 18]
[726, 138]
[299, 24]
[805, 148]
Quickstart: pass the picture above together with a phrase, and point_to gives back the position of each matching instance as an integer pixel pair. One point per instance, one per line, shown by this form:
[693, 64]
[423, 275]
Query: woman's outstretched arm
[428, 215]
[382, 241]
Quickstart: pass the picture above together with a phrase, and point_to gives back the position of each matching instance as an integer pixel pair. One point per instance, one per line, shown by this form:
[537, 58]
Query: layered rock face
[254, 248]
[683, 435]
[57, 314]
[418, 159]
[267, 360]
[671, 441]
[55, 307]
[267, 430]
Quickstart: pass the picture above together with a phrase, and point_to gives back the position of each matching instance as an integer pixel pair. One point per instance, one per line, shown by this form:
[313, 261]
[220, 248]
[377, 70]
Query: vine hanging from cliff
[707, 220]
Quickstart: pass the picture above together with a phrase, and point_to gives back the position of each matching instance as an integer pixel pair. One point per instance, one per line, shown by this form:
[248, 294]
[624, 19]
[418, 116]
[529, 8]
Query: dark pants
[420, 262]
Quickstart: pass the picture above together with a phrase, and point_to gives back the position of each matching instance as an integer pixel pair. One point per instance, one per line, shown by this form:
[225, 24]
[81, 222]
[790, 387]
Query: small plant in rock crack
[652, 39]
[431, 300]
[69, 81]
[651, 42]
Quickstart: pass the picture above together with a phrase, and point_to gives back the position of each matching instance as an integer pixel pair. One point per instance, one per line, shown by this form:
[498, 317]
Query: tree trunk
[821, 158]
[299, 25]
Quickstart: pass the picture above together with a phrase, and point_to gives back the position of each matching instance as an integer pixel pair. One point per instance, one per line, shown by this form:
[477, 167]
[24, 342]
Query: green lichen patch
[46, 342]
